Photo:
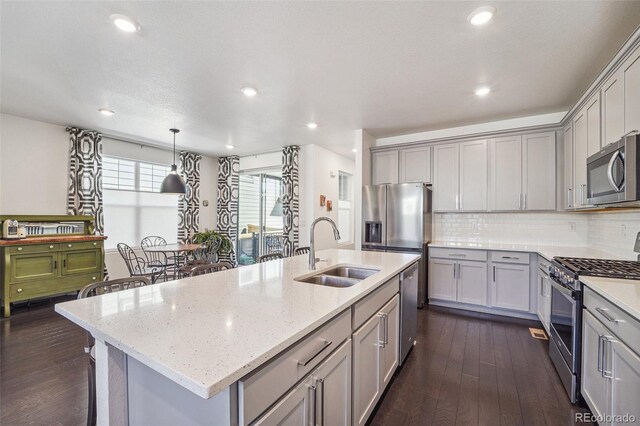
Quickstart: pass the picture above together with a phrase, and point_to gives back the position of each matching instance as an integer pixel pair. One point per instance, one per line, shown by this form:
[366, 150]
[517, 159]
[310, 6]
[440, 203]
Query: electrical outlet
[572, 226]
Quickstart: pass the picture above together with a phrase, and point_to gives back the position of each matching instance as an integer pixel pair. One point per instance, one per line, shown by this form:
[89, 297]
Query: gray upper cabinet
[612, 98]
[539, 171]
[586, 141]
[631, 75]
[568, 166]
[384, 167]
[506, 173]
[415, 165]
[446, 177]
[473, 176]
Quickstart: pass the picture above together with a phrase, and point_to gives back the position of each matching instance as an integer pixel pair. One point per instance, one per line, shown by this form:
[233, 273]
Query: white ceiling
[390, 67]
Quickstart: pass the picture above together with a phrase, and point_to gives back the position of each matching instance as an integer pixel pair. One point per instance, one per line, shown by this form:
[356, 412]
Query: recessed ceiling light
[312, 125]
[481, 15]
[230, 146]
[354, 150]
[105, 111]
[249, 92]
[124, 23]
[482, 91]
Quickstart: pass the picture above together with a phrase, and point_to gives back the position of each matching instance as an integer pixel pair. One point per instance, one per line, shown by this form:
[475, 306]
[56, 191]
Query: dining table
[176, 250]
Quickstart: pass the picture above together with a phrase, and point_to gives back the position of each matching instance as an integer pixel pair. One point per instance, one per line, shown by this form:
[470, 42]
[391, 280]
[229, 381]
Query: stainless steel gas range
[566, 311]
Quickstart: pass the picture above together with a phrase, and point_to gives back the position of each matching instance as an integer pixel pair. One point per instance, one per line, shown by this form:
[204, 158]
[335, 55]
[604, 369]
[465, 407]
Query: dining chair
[204, 268]
[270, 256]
[157, 258]
[137, 266]
[301, 250]
[96, 289]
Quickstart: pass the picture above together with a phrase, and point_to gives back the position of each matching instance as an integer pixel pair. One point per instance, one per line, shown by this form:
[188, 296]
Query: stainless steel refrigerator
[397, 218]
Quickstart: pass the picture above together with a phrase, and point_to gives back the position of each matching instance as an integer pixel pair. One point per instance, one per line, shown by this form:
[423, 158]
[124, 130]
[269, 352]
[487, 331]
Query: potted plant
[215, 242]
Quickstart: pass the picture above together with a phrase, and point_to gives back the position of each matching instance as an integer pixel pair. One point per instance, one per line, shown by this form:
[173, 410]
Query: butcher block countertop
[52, 239]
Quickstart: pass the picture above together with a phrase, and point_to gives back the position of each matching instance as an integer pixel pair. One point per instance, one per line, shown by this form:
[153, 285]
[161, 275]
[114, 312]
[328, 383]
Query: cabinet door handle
[600, 353]
[325, 345]
[312, 406]
[50, 247]
[386, 329]
[457, 255]
[607, 315]
[19, 290]
[69, 245]
[525, 200]
[569, 199]
[510, 257]
[55, 264]
[494, 274]
[319, 418]
[19, 248]
[64, 263]
[607, 345]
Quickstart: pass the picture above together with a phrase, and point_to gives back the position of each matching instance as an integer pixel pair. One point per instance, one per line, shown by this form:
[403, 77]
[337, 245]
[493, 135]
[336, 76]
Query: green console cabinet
[52, 263]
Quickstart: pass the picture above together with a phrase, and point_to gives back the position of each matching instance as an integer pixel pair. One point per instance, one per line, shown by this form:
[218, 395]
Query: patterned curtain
[290, 199]
[84, 196]
[85, 175]
[189, 205]
[227, 210]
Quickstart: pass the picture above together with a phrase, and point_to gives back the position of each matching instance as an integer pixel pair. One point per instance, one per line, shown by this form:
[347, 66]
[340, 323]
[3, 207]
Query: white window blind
[133, 206]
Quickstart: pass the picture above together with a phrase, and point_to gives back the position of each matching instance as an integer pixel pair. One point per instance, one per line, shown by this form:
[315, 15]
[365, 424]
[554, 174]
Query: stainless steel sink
[330, 281]
[351, 272]
[342, 276]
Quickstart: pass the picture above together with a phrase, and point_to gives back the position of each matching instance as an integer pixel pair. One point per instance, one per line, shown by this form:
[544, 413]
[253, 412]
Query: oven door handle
[562, 289]
[613, 159]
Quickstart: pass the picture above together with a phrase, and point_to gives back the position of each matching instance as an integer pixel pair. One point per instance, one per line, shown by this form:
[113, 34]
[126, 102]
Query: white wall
[363, 141]
[614, 232]
[319, 169]
[34, 169]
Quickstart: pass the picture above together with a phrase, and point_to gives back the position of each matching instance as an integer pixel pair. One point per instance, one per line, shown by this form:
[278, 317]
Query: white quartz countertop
[625, 294]
[548, 251]
[207, 332]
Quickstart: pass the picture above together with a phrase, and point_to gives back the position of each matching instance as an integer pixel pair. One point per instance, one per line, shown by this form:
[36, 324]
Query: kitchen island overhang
[205, 333]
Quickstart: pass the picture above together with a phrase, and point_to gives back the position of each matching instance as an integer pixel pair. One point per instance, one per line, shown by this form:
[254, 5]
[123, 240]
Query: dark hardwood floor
[43, 378]
[475, 369]
[467, 369]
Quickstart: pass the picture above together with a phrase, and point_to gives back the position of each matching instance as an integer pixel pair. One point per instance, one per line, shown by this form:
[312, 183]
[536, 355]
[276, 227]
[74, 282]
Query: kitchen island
[194, 351]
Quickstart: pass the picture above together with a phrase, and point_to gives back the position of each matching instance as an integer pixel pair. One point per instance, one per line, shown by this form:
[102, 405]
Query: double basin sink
[341, 276]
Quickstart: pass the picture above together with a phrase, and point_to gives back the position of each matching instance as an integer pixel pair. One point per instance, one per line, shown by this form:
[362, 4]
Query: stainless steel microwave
[613, 173]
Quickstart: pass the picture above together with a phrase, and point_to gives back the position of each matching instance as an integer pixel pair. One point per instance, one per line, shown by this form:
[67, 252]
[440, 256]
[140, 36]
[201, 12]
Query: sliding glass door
[259, 215]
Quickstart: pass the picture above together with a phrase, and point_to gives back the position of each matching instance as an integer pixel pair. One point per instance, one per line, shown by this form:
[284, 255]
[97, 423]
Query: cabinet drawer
[462, 254]
[615, 319]
[33, 248]
[39, 288]
[261, 388]
[510, 257]
[81, 246]
[367, 307]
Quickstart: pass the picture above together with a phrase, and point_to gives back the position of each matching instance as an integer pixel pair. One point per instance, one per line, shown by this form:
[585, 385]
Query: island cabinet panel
[260, 389]
[332, 382]
[365, 308]
[367, 371]
[375, 358]
[294, 409]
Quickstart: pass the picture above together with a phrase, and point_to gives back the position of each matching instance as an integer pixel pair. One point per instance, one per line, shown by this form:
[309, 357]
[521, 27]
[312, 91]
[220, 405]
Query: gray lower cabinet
[324, 397]
[610, 380]
[375, 358]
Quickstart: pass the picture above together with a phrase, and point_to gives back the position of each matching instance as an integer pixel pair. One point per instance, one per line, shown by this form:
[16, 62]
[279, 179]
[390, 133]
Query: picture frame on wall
[323, 200]
[329, 205]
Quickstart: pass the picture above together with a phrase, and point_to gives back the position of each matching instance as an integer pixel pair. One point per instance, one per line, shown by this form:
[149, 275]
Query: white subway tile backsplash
[612, 232]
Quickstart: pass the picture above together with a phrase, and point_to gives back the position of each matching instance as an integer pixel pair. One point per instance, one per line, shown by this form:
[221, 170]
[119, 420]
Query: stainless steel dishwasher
[408, 309]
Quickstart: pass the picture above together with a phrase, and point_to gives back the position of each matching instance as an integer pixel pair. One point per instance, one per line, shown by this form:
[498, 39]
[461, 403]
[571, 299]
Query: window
[345, 207]
[133, 206]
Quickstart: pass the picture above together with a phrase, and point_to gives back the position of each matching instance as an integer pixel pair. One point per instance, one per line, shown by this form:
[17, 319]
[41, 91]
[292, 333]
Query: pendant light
[173, 183]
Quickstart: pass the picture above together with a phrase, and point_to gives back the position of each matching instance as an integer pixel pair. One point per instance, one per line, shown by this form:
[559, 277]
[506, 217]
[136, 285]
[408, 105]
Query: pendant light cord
[174, 147]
